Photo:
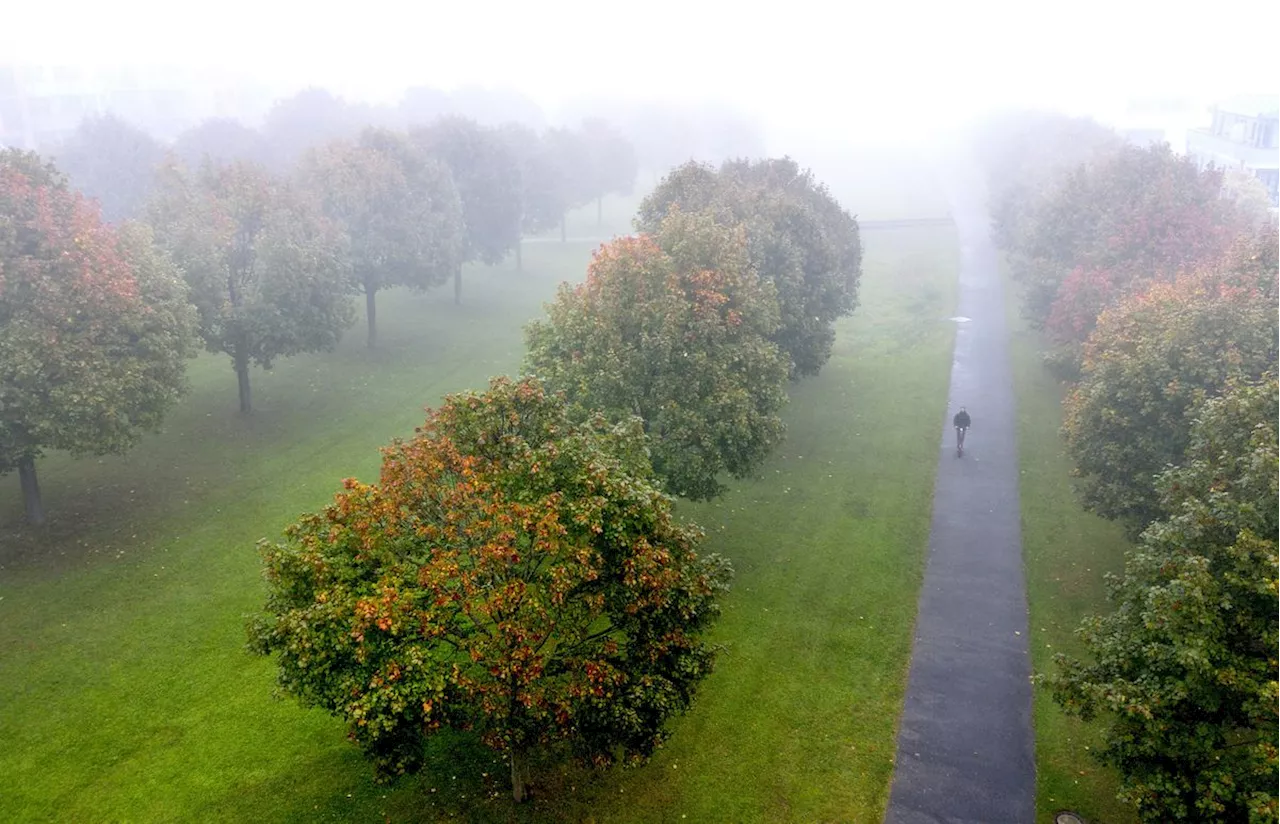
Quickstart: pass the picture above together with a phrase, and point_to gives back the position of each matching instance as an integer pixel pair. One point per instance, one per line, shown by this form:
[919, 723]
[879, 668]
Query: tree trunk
[519, 790]
[371, 313]
[562, 233]
[457, 285]
[242, 375]
[30, 491]
[599, 213]
[519, 256]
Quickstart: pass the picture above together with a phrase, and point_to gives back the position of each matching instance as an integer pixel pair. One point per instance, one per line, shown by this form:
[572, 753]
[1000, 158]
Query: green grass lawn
[1067, 552]
[126, 693]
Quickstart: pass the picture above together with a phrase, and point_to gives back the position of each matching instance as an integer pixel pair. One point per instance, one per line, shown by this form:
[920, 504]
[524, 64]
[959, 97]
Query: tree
[309, 118]
[112, 162]
[799, 237]
[610, 160]
[1024, 154]
[400, 211]
[568, 157]
[1183, 670]
[1249, 196]
[673, 327]
[222, 140]
[488, 182]
[512, 574]
[266, 272]
[1139, 214]
[95, 326]
[544, 192]
[1152, 358]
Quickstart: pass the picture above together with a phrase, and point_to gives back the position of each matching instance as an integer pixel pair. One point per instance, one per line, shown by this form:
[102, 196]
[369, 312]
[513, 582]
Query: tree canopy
[95, 326]
[1183, 671]
[267, 272]
[674, 327]
[222, 140]
[1151, 359]
[488, 181]
[112, 162]
[400, 212]
[512, 574]
[799, 238]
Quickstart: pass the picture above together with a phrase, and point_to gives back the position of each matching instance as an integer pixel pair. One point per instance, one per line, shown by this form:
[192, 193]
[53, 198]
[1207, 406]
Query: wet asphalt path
[965, 742]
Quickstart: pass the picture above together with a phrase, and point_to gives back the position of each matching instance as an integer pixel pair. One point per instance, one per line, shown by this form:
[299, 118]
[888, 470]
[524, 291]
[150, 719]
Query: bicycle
[960, 430]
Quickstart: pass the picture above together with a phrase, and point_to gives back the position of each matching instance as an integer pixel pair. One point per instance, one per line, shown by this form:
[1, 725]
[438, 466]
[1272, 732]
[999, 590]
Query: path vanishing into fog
[965, 743]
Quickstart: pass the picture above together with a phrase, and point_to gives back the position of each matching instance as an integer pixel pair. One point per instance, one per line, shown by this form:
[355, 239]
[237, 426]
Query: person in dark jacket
[961, 422]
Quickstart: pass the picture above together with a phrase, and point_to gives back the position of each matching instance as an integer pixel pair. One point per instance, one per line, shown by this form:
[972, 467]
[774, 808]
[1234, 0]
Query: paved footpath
[965, 743]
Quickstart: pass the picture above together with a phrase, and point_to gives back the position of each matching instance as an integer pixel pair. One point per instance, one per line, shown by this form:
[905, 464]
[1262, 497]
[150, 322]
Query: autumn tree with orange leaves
[674, 327]
[512, 574]
[95, 326]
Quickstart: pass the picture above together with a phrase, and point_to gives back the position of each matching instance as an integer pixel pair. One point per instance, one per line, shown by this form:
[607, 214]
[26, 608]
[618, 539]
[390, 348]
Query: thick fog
[805, 71]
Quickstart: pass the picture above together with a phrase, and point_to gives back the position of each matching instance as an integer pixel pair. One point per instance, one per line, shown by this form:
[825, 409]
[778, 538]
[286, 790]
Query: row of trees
[1156, 286]
[115, 162]
[516, 573]
[270, 263]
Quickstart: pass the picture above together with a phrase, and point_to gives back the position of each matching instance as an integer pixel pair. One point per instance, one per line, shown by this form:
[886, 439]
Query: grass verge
[1067, 552]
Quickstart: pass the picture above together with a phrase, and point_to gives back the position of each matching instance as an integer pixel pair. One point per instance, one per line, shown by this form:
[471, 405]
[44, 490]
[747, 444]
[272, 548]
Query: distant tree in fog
[800, 238]
[267, 272]
[1024, 153]
[567, 153]
[221, 140]
[488, 181]
[95, 326]
[399, 209]
[112, 162]
[1250, 197]
[309, 118]
[673, 326]
[545, 192]
[611, 162]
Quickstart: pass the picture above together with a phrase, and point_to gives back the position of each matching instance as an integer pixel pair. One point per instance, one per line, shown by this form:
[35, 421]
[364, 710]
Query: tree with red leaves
[95, 326]
[512, 574]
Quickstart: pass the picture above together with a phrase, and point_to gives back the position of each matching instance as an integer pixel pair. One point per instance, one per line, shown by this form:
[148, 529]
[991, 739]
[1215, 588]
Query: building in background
[1243, 134]
[40, 105]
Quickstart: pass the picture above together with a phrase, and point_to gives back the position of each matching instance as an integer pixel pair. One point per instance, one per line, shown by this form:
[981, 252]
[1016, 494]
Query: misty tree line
[1156, 284]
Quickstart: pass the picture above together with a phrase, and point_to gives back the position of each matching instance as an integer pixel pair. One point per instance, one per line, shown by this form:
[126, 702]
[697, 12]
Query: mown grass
[126, 693]
[1067, 552]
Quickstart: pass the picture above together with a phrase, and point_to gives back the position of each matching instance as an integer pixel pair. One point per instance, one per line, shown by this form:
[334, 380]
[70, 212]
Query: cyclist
[961, 423]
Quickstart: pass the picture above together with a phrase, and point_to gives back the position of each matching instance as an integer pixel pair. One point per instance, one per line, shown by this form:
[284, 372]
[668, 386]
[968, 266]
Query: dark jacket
[961, 420]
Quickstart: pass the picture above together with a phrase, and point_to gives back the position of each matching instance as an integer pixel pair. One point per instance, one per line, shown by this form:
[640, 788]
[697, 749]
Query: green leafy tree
[112, 162]
[267, 272]
[512, 574]
[400, 211]
[673, 327]
[488, 181]
[1153, 357]
[1182, 672]
[799, 238]
[95, 326]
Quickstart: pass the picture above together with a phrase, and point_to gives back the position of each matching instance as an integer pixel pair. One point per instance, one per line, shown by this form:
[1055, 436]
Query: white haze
[892, 73]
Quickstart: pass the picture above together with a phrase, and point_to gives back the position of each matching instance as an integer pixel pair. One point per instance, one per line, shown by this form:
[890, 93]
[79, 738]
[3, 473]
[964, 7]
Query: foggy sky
[889, 71]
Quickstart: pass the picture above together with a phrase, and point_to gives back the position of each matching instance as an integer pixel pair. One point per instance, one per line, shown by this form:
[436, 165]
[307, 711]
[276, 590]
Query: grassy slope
[1067, 552]
[126, 693]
